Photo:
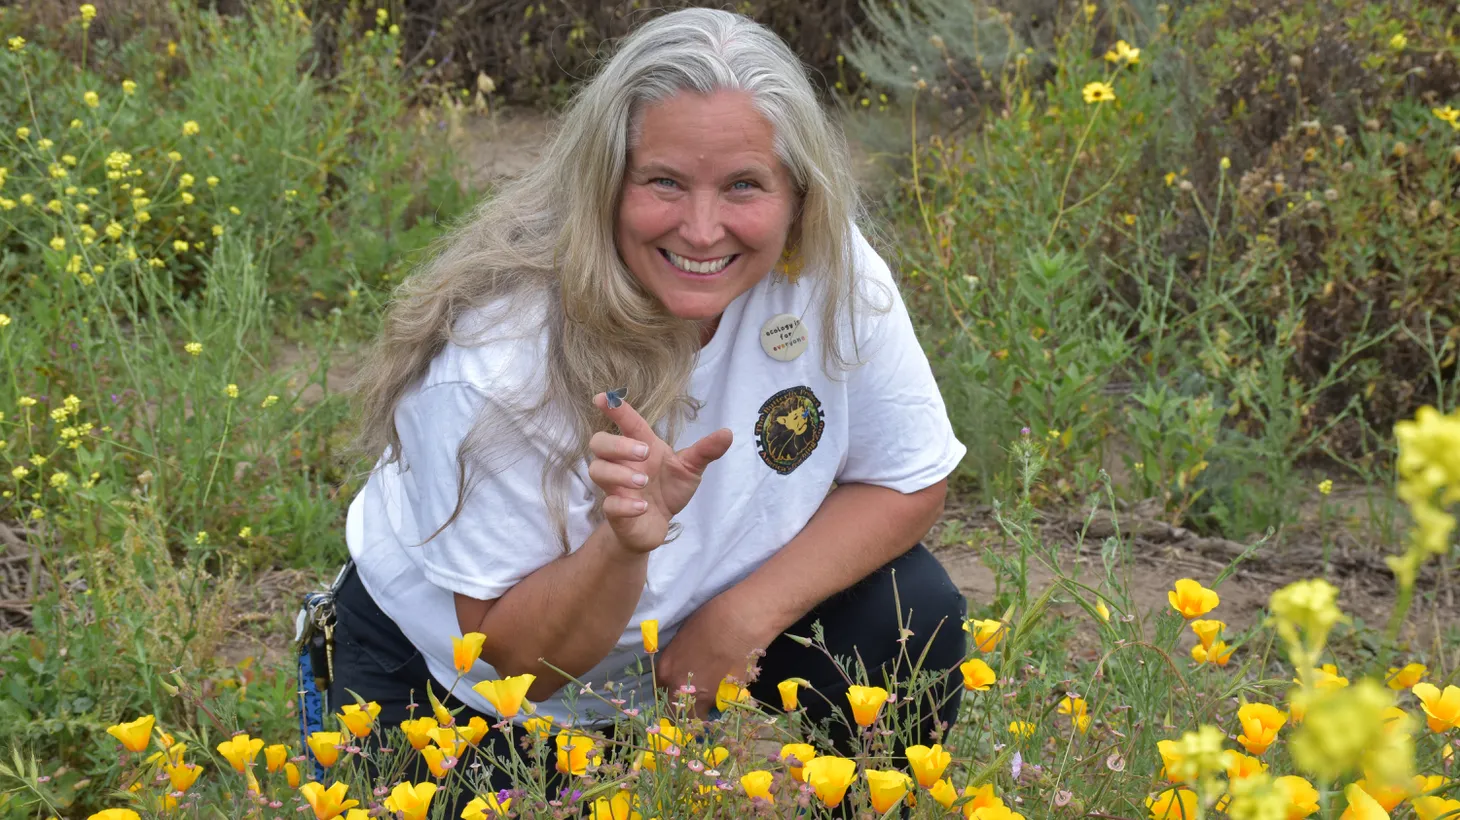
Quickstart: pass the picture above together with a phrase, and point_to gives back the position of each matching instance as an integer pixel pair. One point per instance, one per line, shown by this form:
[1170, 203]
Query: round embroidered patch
[789, 428]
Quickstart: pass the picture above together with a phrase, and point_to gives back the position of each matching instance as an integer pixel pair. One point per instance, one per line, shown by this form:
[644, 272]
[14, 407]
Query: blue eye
[663, 182]
[747, 183]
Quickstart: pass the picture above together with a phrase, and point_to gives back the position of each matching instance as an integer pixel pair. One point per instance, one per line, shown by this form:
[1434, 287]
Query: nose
[701, 227]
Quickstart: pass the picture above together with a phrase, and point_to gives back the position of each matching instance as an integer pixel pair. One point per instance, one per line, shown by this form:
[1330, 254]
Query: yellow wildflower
[886, 788]
[790, 691]
[506, 695]
[978, 676]
[796, 756]
[91, 99]
[325, 745]
[1123, 53]
[193, 348]
[134, 735]
[1098, 92]
[1405, 677]
[1398, 42]
[1173, 804]
[986, 633]
[928, 763]
[411, 801]
[866, 703]
[1345, 729]
[359, 719]
[757, 784]
[829, 778]
[240, 751]
[573, 753]
[327, 803]
[1191, 599]
[1442, 709]
[465, 651]
[190, 128]
[1260, 724]
[1325, 486]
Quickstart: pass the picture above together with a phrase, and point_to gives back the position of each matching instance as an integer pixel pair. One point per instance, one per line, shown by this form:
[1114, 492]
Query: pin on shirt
[783, 337]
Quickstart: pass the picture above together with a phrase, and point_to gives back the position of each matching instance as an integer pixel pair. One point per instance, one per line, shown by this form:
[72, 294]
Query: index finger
[629, 422]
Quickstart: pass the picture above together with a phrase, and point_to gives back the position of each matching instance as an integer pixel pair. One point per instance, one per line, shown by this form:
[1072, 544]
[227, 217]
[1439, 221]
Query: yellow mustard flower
[1325, 487]
[1350, 728]
[1398, 42]
[1098, 92]
[1308, 606]
[91, 99]
[269, 401]
[17, 44]
[190, 128]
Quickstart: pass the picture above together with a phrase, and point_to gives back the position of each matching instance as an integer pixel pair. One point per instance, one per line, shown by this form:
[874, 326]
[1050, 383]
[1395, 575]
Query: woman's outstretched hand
[645, 480]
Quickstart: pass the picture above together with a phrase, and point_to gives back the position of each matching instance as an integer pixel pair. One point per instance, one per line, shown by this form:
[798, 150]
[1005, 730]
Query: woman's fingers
[617, 448]
[629, 422]
[614, 477]
[617, 506]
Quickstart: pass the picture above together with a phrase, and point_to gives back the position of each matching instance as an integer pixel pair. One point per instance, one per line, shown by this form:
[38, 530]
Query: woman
[690, 238]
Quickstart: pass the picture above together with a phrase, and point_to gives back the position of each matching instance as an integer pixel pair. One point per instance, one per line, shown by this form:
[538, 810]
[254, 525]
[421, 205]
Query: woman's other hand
[646, 482]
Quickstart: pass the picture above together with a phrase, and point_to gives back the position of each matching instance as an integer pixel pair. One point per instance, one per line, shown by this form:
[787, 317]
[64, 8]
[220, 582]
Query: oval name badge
[783, 337]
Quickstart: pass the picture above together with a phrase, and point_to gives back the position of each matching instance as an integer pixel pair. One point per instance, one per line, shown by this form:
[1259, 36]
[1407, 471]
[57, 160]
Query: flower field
[1169, 260]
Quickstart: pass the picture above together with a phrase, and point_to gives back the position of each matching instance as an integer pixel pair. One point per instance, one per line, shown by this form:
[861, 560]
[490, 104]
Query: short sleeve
[899, 435]
[504, 531]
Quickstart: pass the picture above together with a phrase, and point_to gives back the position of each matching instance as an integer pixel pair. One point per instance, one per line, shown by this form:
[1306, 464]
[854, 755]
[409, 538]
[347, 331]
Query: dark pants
[373, 658]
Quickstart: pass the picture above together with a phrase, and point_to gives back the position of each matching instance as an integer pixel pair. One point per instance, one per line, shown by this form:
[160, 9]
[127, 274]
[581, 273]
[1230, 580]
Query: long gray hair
[548, 238]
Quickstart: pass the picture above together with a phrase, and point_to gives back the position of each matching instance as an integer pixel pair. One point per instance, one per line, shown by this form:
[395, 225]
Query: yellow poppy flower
[411, 801]
[327, 803]
[1442, 709]
[291, 775]
[650, 630]
[418, 731]
[1173, 804]
[479, 807]
[758, 784]
[240, 750]
[796, 756]
[465, 651]
[928, 763]
[182, 775]
[357, 719]
[1361, 806]
[541, 726]
[729, 692]
[1260, 725]
[977, 675]
[324, 744]
[788, 690]
[1207, 631]
[944, 793]
[618, 807]
[450, 739]
[506, 695]
[886, 788]
[1406, 676]
[1302, 797]
[134, 735]
[573, 753]
[986, 634]
[115, 814]
[866, 703]
[829, 778]
[275, 757]
[1191, 599]
[435, 760]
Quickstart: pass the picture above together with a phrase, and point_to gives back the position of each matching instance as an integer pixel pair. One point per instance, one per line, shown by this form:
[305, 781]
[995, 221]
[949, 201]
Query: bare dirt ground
[493, 148]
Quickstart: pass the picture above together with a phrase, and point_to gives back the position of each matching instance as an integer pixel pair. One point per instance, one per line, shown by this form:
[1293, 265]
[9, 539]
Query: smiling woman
[594, 408]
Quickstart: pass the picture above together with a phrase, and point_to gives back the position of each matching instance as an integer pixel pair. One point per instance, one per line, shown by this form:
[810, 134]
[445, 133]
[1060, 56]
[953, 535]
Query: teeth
[712, 266]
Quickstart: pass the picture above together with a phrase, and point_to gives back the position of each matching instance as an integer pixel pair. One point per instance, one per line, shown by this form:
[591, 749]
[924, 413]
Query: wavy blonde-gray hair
[548, 237]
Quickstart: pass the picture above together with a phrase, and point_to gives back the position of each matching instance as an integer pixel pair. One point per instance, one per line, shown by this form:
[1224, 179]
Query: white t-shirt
[796, 432]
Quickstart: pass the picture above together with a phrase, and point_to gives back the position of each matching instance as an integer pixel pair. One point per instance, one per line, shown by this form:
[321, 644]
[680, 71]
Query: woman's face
[706, 204]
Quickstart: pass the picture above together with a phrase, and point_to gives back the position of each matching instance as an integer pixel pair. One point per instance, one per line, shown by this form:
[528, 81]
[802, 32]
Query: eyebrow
[658, 168]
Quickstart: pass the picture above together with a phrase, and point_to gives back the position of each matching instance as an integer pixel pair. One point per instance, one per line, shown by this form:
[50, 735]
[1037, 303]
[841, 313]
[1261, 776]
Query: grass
[1163, 322]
